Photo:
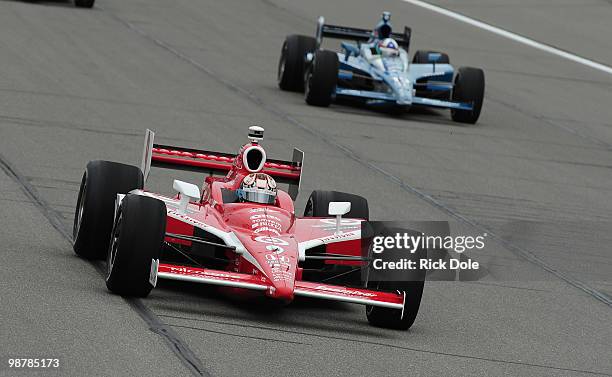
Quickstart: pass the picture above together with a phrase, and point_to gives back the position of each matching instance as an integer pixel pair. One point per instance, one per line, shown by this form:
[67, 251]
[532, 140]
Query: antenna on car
[256, 134]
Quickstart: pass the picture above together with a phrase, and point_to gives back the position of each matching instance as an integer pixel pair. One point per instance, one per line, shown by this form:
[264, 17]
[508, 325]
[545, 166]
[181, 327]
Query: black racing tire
[291, 65]
[137, 239]
[469, 87]
[321, 78]
[84, 3]
[389, 318]
[422, 57]
[93, 218]
[411, 285]
[318, 204]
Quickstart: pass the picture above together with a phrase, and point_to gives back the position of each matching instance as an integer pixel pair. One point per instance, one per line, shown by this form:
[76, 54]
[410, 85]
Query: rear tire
[93, 218]
[292, 62]
[137, 239]
[318, 204]
[411, 284]
[422, 57]
[321, 78]
[469, 88]
[84, 3]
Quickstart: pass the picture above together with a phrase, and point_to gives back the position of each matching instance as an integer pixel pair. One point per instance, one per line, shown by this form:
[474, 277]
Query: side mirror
[188, 191]
[349, 49]
[433, 57]
[338, 209]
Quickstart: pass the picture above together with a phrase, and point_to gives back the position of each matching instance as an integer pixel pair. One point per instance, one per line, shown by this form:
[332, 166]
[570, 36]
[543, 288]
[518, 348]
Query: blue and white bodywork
[373, 67]
[391, 80]
[394, 79]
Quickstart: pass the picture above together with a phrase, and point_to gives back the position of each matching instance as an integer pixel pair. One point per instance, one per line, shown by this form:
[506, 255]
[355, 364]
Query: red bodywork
[266, 243]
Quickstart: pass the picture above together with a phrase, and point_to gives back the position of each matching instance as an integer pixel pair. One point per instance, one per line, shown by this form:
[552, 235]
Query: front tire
[408, 282]
[137, 239]
[93, 218]
[468, 88]
[292, 62]
[392, 318]
[321, 78]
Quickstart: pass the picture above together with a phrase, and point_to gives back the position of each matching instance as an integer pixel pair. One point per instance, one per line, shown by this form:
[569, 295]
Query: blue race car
[374, 69]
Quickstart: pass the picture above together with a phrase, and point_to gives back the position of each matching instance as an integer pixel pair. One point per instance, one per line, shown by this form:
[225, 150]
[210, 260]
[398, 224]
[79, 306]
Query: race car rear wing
[356, 34]
[216, 163]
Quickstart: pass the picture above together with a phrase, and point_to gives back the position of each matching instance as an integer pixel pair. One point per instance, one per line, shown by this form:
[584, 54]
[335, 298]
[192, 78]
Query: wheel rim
[308, 81]
[78, 219]
[114, 244]
[309, 211]
[281, 69]
[281, 64]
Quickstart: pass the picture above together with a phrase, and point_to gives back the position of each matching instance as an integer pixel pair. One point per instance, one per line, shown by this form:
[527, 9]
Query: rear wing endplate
[216, 163]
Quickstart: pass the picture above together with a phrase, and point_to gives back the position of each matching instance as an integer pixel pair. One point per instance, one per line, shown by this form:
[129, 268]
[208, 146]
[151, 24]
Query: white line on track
[512, 36]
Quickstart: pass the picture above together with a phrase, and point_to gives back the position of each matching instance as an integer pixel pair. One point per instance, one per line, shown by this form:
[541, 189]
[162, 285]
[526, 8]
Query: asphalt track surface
[77, 85]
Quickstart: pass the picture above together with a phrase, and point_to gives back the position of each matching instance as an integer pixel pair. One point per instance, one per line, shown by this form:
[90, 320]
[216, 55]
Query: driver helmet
[388, 47]
[257, 188]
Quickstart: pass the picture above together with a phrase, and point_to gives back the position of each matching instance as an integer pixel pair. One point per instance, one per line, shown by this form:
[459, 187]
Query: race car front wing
[389, 97]
[394, 300]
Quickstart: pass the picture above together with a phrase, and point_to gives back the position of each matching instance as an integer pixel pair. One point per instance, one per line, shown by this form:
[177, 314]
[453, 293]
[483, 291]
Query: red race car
[241, 231]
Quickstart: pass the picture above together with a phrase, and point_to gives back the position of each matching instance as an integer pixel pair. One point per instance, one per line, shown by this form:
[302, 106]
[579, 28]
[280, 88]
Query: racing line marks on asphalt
[554, 123]
[55, 219]
[380, 344]
[513, 36]
[176, 344]
[240, 335]
[519, 251]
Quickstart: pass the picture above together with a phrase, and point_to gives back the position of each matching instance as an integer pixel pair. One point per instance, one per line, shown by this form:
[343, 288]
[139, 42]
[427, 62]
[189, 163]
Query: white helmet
[388, 47]
[257, 188]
